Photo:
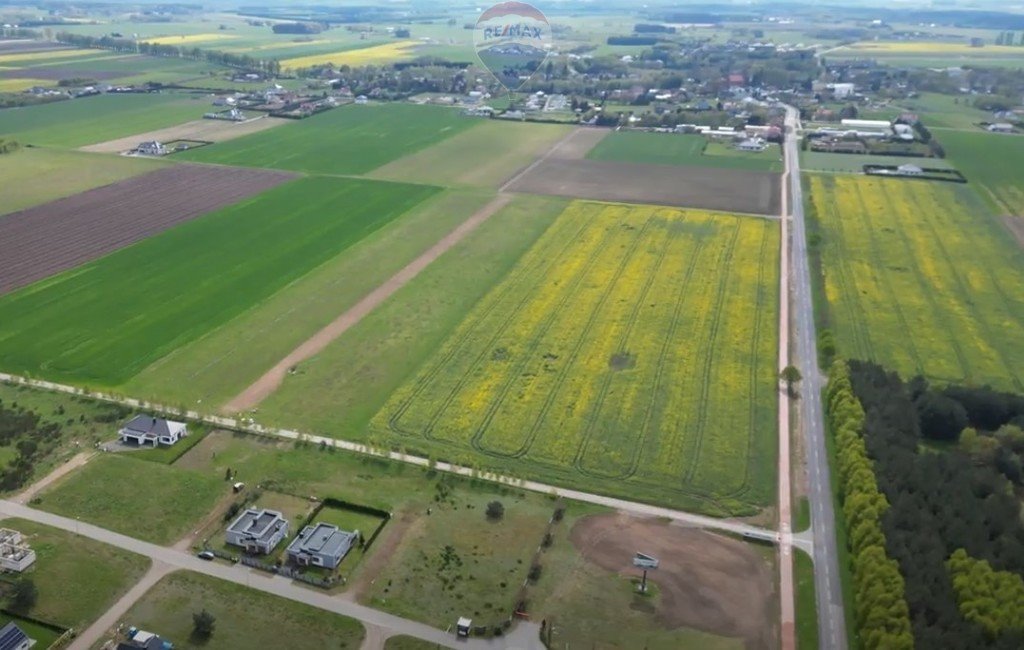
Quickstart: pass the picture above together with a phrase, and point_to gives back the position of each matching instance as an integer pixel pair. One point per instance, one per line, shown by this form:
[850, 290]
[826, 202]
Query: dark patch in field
[56, 73]
[729, 190]
[47, 239]
[622, 361]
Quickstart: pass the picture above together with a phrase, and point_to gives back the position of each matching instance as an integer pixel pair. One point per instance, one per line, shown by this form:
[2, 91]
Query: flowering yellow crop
[187, 39]
[387, 53]
[25, 58]
[923, 47]
[17, 85]
[631, 345]
[919, 277]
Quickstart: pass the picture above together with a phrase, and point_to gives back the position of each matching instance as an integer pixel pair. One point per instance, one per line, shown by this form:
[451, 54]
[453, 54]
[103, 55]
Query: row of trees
[880, 608]
[941, 501]
[230, 59]
[30, 436]
[8, 146]
[992, 599]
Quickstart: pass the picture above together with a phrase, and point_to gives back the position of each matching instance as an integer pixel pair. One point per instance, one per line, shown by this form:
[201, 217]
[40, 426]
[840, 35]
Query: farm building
[323, 545]
[909, 170]
[257, 530]
[148, 430]
[903, 132]
[15, 554]
[151, 148]
[751, 144]
[1000, 127]
[13, 637]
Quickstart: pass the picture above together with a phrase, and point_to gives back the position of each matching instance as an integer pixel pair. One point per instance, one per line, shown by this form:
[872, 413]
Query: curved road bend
[829, 593]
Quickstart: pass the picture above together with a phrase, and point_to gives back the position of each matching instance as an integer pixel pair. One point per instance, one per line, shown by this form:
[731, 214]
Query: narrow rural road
[272, 379]
[79, 459]
[831, 619]
[98, 630]
[170, 559]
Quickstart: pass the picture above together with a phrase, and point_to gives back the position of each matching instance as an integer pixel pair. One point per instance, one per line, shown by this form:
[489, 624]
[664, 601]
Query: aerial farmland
[313, 324]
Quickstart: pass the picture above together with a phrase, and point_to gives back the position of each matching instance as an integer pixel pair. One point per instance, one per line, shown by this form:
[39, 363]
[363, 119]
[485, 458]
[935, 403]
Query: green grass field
[104, 322]
[242, 619]
[679, 149]
[992, 163]
[806, 605]
[819, 161]
[105, 492]
[485, 155]
[214, 368]
[920, 277]
[88, 120]
[947, 111]
[35, 176]
[73, 592]
[346, 140]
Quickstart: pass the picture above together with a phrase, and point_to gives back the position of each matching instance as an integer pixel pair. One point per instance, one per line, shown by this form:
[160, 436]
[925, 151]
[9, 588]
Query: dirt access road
[210, 130]
[272, 379]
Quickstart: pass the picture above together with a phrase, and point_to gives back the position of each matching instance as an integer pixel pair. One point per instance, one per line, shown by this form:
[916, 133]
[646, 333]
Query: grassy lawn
[947, 111]
[680, 149]
[564, 372]
[34, 176]
[806, 605]
[338, 391]
[408, 643]
[920, 277]
[346, 140]
[106, 492]
[214, 368]
[456, 562]
[992, 163]
[88, 120]
[72, 591]
[104, 322]
[822, 161]
[486, 155]
[83, 423]
[169, 454]
[242, 619]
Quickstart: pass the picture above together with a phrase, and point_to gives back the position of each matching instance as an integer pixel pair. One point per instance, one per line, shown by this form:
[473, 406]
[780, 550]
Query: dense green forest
[943, 497]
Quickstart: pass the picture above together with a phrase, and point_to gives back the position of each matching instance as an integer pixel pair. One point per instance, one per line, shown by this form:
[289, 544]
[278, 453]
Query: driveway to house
[280, 586]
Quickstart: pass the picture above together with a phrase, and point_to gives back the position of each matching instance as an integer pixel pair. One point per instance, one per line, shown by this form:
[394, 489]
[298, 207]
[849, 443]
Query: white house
[147, 430]
[15, 555]
[151, 148]
[752, 144]
[321, 545]
[909, 170]
[257, 530]
[1000, 127]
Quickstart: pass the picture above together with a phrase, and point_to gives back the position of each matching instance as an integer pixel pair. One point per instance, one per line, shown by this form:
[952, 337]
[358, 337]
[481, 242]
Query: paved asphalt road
[831, 620]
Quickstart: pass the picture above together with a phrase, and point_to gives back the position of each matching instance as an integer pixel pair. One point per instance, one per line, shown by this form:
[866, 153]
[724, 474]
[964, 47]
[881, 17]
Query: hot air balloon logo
[512, 40]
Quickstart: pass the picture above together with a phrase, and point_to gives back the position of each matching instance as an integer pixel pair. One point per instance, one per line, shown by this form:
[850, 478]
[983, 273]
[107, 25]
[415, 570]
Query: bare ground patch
[47, 239]
[580, 145]
[706, 582]
[210, 130]
[727, 190]
[1016, 226]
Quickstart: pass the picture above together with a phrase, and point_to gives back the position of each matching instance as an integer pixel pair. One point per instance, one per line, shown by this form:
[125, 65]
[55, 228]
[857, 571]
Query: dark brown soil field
[47, 239]
[706, 582]
[728, 190]
[21, 47]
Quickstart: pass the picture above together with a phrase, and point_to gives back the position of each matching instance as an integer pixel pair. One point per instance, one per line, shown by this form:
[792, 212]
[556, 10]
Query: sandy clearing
[1016, 226]
[707, 582]
[212, 130]
[582, 142]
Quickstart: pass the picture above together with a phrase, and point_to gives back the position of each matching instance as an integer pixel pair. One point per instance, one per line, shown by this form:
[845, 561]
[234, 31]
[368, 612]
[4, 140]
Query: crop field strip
[921, 278]
[42, 241]
[993, 164]
[104, 322]
[346, 140]
[589, 336]
[679, 149]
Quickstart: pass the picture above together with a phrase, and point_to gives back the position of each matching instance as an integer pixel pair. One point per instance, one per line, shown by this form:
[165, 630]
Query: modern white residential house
[151, 148]
[1000, 127]
[257, 530]
[148, 430]
[321, 545]
[15, 554]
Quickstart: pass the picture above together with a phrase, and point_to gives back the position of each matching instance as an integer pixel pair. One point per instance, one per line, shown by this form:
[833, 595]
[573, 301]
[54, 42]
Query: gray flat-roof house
[13, 637]
[148, 430]
[258, 530]
[321, 545]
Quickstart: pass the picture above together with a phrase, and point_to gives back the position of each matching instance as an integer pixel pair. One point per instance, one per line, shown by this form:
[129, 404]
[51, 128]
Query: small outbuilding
[463, 626]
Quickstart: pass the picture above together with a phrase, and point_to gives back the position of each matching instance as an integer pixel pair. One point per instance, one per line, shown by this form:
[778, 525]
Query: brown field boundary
[44, 240]
[211, 130]
[727, 190]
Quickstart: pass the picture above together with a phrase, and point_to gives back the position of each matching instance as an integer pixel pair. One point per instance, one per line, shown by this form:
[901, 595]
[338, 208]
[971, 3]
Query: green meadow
[681, 149]
[105, 321]
[347, 140]
[993, 163]
[88, 120]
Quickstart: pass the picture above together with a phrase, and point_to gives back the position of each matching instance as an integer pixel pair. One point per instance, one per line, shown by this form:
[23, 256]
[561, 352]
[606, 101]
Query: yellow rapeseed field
[20, 60]
[919, 277]
[187, 39]
[17, 85]
[387, 53]
[923, 47]
[633, 345]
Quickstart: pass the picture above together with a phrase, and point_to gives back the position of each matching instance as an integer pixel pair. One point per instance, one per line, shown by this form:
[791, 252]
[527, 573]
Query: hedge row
[880, 607]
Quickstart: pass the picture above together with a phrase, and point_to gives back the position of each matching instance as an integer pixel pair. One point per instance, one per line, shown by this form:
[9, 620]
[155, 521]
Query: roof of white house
[147, 424]
[324, 539]
[256, 522]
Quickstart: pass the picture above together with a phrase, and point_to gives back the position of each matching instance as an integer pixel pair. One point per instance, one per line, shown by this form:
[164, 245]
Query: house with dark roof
[257, 530]
[323, 545]
[13, 638]
[148, 430]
